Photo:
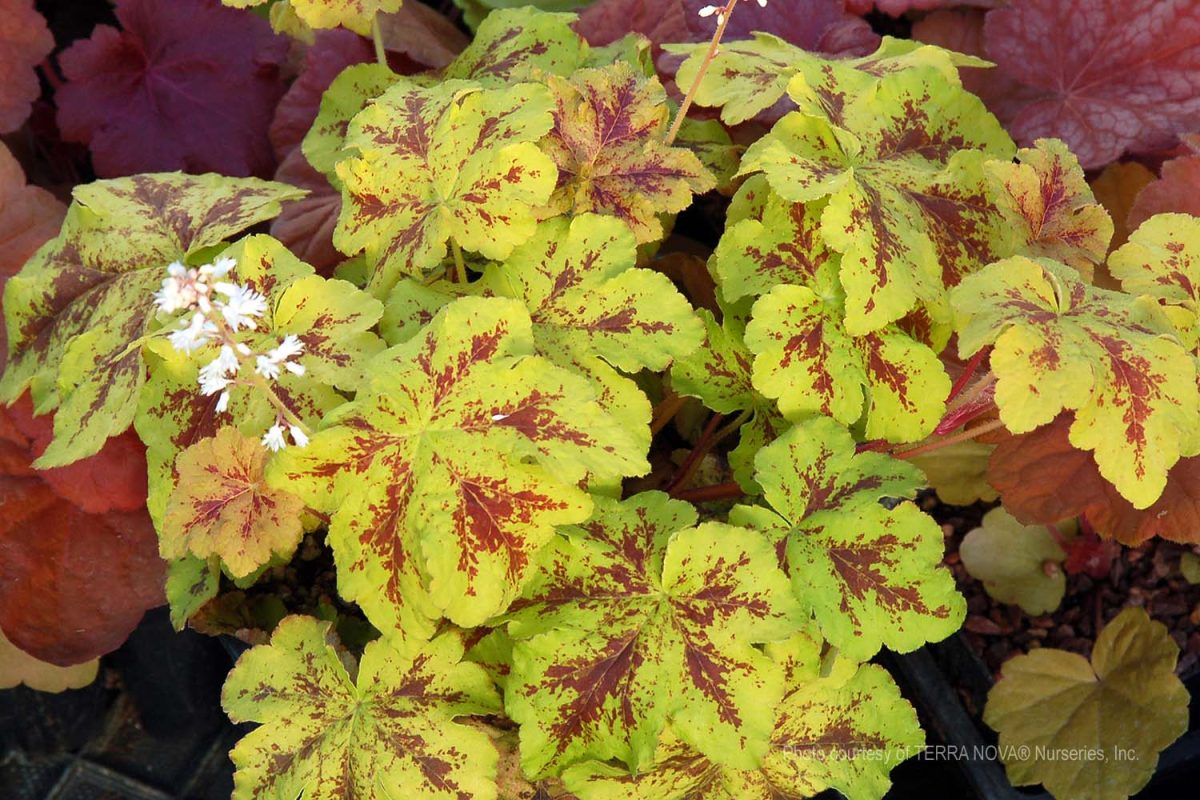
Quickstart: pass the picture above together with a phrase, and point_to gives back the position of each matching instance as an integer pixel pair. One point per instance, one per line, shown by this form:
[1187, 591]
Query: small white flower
[244, 349]
[499, 417]
[242, 305]
[264, 366]
[218, 373]
[273, 439]
[223, 403]
[293, 367]
[708, 11]
[298, 436]
[762, 3]
[290, 346]
[194, 334]
[222, 266]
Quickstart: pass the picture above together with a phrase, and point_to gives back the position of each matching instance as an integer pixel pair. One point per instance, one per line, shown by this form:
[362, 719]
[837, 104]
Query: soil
[1146, 576]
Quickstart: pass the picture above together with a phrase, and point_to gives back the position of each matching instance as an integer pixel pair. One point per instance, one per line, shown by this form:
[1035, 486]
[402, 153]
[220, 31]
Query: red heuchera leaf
[24, 42]
[1087, 553]
[1044, 479]
[897, 7]
[1175, 189]
[306, 225]
[605, 21]
[187, 85]
[961, 30]
[1105, 76]
[79, 558]
[823, 26]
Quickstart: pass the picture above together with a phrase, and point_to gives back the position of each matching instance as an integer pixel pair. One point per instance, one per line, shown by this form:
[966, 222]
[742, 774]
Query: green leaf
[1120, 710]
[1060, 344]
[1050, 207]
[640, 617]
[871, 576]
[845, 732]
[331, 731]
[79, 310]
[450, 471]
[1189, 567]
[331, 318]
[1011, 560]
[958, 472]
[355, 15]
[719, 374]
[349, 93]
[520, 44]
[608, 143]
[449, 163]
[221, 507]
[748, 77]
[909, 206]
[191, 582]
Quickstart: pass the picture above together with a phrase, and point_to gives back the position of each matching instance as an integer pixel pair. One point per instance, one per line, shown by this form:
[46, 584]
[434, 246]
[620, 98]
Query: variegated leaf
[607, 141]
[450, 471]
[872, 576]
[222, 507]
[333, 730]
[1060, 344]
[79, 310]
[449, 163]
[640, 617]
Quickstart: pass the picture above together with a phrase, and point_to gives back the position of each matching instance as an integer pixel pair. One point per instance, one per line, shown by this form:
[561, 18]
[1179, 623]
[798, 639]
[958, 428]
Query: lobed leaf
[79, 309]
[18, 667]
[1062, 345]
[1053, 214]
[871, 576]
[845, 732]
[25, 40]
[221, 507]
[520, 44]
[450, 470]
[640, 617]
[1011, 559]
[452, 162]
[607, 142]
[908, 210]
[381, 729]
[1125, 706]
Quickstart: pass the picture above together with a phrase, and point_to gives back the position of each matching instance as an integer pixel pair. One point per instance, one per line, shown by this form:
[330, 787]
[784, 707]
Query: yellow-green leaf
[1017, 563]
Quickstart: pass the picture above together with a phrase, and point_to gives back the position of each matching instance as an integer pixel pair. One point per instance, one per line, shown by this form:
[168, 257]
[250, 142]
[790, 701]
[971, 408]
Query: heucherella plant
[613, 512]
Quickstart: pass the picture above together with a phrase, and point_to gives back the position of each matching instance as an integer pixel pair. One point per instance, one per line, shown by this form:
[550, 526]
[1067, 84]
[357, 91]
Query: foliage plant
[469, 410]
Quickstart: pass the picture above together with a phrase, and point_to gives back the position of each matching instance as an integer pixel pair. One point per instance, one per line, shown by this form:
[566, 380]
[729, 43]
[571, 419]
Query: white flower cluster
[218, 311]
[708, 11]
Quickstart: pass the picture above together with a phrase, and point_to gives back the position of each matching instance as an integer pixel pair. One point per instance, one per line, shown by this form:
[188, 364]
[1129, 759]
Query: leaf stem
[968, 373]
[713, 47]
[946, 441]
[460, 268]
[377, 37]
[709, 494]
[666, 410]
[709, 439]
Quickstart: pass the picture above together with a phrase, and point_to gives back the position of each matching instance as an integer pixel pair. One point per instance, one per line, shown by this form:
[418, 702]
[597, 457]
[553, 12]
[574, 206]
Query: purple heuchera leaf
[185, 85]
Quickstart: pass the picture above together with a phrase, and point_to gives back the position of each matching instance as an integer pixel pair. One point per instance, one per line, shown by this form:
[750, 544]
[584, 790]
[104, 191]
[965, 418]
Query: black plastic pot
[948, 683]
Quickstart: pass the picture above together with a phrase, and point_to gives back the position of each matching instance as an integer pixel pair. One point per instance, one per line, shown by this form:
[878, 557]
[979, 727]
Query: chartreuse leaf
[1012, 561]
[640, 617]
[355, 15]
[871, 576]
[591, 309]
[18, 667]
[331, 318]
[448, 473]
[78, 311]
[958, 472]
[481, 11]
[1162, 259]
[191, 582]
[844, 731]
[719, 374]
[748, 77]
[387, 729]
[520, 44]
[451, 162]
[908, 202]
[222, 507]
[349, 93]
[1050, 207]
[1060, 344]
[1121, 710]
[608, 143]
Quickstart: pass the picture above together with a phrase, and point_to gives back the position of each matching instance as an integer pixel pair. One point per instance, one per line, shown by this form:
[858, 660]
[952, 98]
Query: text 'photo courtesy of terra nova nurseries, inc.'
[599, 399]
